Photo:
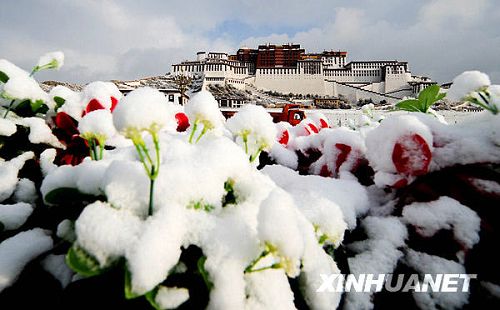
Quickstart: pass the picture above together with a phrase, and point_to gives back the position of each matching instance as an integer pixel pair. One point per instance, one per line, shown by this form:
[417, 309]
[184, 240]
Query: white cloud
[462, 13]
[128, 39]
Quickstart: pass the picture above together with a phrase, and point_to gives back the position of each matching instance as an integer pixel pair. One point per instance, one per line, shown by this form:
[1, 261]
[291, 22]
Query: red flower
[400, 183]
[66, 130]
[311, 128]
[411, 155]
[114, 102]
[285, 136]
[95, 104]
[182, 121]
[325, 172]
[345, 150]
[344, 156]
[323, 123]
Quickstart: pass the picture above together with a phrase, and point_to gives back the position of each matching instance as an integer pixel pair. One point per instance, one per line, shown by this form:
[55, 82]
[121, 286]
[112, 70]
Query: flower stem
[9, 108]
[146, 152]
[152, 168]
[91, 149]
[157, 150]
[201, 134]
[195, 126]
[245, 141]
[141, 158]
[273, 266]
[101, 151]
[255, 261]
[256, 155]
[95, 150]
[151, 191]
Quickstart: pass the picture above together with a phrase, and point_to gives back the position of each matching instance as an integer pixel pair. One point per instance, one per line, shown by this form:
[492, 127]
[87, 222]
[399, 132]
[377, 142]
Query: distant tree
[183, 82]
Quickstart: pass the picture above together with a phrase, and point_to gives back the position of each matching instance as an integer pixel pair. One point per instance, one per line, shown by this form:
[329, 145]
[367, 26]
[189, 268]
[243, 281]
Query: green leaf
[82, 262]
[440, 96]
[411, 105]
[429, 96]
[59, 102]
[151, 296]
[65, 195]
[330, 249]
[201, 205]
[323, 239]
[3, 77]
[429, 92]
[230, 197]
[23, 105]
[204, 272]
[39, 106]
[129, 294]
[128, 286]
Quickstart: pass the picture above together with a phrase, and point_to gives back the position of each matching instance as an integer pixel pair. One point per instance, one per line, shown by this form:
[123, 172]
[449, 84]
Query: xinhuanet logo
[443, 282]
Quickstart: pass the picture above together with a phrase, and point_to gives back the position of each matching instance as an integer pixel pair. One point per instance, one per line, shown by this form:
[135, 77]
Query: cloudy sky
[128, 39]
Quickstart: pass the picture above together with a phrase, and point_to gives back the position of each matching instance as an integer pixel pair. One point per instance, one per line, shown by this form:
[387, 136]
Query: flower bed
[136, 202]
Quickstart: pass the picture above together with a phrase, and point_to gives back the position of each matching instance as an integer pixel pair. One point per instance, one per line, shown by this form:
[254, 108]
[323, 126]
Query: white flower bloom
[466, 83]
[143, 109]
[52, 60]
[97, 124]
[368, 108]
[204, 108]
[253, 122]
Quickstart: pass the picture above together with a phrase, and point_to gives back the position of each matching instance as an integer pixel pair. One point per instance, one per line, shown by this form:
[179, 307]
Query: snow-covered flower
[98, 123]
[11, 70]
[203, 109]
[368, 109]
[19, 85]
[143, 109]
[96, 127]
[255, 127]
[279, 227]
[400, 147]
[369, 117]
[22, 88]
[100, 95]
[283, 132]
[466, 83]
[320, 120]
[52, 60]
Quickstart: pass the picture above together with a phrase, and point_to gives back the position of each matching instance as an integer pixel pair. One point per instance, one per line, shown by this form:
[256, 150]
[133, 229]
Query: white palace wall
[353, 94]
[395, 82]
[291, 82]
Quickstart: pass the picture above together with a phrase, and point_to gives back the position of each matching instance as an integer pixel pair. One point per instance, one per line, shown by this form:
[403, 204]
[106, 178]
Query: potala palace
[289, 69]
